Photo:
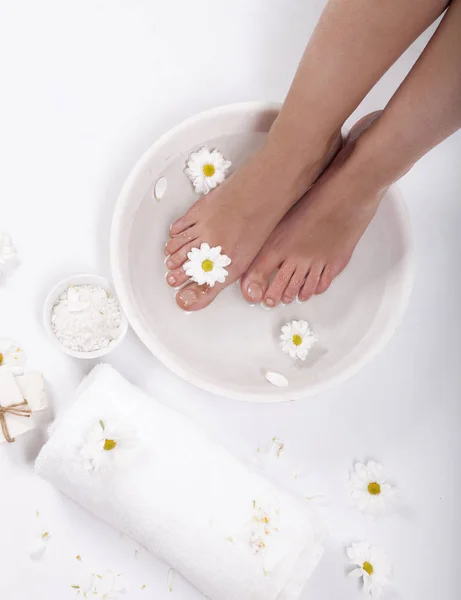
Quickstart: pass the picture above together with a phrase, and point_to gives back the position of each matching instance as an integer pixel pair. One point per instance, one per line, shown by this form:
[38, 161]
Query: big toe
[195, 297]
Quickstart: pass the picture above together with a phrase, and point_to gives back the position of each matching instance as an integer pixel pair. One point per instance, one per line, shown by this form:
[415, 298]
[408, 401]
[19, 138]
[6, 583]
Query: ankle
[301, 163]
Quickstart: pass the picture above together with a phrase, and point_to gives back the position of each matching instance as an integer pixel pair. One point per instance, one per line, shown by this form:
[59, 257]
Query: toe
[178, 258]
[278, 285]
[177, 277]
[256, 280]
[195, 297]
[186, 221]
[294, 285]
[329, 273]
[180, 240]
[311, 283]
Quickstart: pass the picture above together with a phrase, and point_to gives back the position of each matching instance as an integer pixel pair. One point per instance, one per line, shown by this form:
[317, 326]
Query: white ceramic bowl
[54, 295]
[227, 347]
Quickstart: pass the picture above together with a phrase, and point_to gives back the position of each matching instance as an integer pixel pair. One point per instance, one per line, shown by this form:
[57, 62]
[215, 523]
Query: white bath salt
[86, 318]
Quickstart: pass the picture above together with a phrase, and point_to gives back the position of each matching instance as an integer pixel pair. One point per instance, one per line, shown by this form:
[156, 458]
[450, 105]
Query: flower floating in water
[206, 265]
[206, 169]
[108, 444]
[372, 565]
[371, 492]
[7, 250]
[297, 339]
[11, 356]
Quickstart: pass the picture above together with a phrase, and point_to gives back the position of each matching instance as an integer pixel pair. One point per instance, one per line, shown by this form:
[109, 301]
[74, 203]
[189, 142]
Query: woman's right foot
[315, 240]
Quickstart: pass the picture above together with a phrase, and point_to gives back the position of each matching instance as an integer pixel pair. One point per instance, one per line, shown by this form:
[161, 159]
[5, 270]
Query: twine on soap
[18, 410]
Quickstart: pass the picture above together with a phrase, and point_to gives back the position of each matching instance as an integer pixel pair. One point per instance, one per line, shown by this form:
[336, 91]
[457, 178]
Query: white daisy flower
[297, 339]
[370, 491]
[109, 444]
[206, 265]
[7, 250]
[372, 565]
[206, 169]
[11, 355]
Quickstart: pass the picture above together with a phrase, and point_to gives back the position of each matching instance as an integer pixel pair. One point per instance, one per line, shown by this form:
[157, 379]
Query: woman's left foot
[315, 240]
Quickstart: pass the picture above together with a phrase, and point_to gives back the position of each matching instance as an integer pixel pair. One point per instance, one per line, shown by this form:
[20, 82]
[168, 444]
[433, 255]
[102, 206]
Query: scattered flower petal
[11, 355]
[371, 565]
[110, 585]
[85, 583]
[108, 445]
[297, 339]
[169, 579]
[370, 490]
[206, 265]
[160, 188]
[7, 251]
[206, 169]
[276, 379]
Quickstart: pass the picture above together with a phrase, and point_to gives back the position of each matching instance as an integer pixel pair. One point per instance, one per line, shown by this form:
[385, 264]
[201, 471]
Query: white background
[85, 88]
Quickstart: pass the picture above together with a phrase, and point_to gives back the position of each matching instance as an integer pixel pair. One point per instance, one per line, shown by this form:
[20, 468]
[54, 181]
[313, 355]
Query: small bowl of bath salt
[83, 316]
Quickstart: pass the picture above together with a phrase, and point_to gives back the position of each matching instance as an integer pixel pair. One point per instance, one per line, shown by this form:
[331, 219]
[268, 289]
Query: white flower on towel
[7, 251]
[297, 339]
[206, 265]
[370, 490]
[108, 444]
[206, 169]
[372, 565]
[11, 355]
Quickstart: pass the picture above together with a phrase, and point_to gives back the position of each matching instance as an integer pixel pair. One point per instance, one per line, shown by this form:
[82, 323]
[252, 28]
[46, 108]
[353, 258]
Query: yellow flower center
[367, 567]
[374, 488]
[297, 340]
[209, 170]
[109, 444]
[1, 359]
[207, 265]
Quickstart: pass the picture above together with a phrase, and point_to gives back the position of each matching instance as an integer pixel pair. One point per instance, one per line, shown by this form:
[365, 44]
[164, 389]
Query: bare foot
[240, 215]
[315, 240]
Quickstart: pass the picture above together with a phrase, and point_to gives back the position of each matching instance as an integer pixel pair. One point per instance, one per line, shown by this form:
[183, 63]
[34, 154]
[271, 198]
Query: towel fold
[151, 473]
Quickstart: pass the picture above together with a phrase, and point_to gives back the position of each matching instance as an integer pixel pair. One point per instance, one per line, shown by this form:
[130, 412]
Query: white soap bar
[32, 387]
[10, 394]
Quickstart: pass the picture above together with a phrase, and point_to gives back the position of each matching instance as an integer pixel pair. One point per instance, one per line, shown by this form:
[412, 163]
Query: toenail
[188, 297]
[287, 300]
[255, 291]
[170, 264]
[171, 279]
[269, 302]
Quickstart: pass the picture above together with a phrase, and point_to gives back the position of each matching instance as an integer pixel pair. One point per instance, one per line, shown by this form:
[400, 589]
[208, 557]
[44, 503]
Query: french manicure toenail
[170, 264]
[255, 291]
[270, 302]
[171, 279]
[188, 297]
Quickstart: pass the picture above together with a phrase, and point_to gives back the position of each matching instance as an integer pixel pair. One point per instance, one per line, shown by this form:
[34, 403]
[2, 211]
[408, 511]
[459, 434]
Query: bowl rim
[284, 394]
[81, 279]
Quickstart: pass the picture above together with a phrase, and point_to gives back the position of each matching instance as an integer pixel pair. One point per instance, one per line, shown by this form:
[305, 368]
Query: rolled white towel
[151, 473]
